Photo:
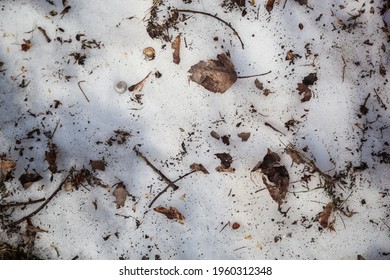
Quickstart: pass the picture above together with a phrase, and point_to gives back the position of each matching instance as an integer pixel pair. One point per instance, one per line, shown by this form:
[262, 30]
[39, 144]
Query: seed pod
[149, 53]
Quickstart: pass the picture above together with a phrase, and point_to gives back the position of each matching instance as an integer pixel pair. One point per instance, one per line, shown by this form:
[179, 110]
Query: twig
[40, 207]
[383, 105]
[140, 84]
[166, 188]
[43, 31]
[385, 223]
[228, 223]
[285, 2]
[217, 18]
[16, 204]
[344, 66]
[82, 89]
[148, 163]
[273, 128]
[251, 76]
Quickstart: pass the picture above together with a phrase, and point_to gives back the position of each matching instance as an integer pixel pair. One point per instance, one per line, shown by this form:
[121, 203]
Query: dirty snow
[171, 127]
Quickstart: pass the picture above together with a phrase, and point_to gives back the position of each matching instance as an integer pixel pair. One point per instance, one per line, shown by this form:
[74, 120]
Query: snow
[176, 112]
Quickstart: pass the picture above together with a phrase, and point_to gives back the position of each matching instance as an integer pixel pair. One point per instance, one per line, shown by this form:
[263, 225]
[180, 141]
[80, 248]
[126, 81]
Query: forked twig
[40, 207]
[213, 16]
[24, 203]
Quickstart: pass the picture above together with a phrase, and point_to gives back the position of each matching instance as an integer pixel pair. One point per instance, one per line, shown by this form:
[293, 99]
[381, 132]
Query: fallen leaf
[120, 194]
[235, 226]
[259, 85]
[97, 165]
[275, 176]
[28, 179]
[32, 228]
[244, 136]
[26, 45]
[172, 213]
[51, 157]
[223, 169]
[269, 5]
[307, 94]
[325, 215]
[226, 139]
[176, 50]
[199, 167]
[149, 53]
[310, 79]
[225, 159]
[7, 165]
[215, 135]
[214, 75]
[295, 155]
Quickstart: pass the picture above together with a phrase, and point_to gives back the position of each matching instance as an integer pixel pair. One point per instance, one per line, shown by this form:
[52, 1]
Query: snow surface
[176, 113]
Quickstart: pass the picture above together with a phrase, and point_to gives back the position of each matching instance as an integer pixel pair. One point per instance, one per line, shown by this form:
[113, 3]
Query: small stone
[121, 87]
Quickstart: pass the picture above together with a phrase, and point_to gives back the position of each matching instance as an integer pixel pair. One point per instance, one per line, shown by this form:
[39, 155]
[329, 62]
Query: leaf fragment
[171, 213]
[199, 167]
[214, 75]
[244, 136]
[269, 5]
[27, 179]
[325, 215]
[307, 93]
[176, 50]
[120, 194]
[26, 45]
[225, 159]
[275, 176]
[215, 135]
[7, 165]
[97, 165]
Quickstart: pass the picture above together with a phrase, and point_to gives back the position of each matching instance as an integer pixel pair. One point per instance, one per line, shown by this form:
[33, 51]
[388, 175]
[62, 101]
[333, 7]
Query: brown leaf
[172, 213]
[214, 75]
[97, 165]
[7, 165]
[32, 228]
[223, 169]
[235, 226]
[215, 135]
[302, 88]
[259, 85]
[28, 179]
[26, 45]
[51, 157]
[65, 11]
[275, 177]
[176, 50]
[324, 217]
[269, 5]
[226, 139]
[120, 194]
[310, 79]
[225, 159]
[199, 167]
[295, 155]
[301, 2]
[244, 136]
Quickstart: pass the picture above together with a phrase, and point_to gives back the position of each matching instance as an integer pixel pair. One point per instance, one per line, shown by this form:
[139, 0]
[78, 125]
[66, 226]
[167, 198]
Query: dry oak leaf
[171, 213]
[214, 75]
[199, 167]
[120, 194]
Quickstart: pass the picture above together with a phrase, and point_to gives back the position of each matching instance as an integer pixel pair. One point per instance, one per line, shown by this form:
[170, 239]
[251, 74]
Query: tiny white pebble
[121, 87]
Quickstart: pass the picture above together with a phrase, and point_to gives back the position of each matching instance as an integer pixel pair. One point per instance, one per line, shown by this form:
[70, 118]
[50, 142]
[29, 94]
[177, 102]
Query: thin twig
[24, 203]
[42, 206]
[251, 76]
[166, 188]
[217, 18]
[148, 163]
[82, 89]
[344, 66]
[273, 128]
